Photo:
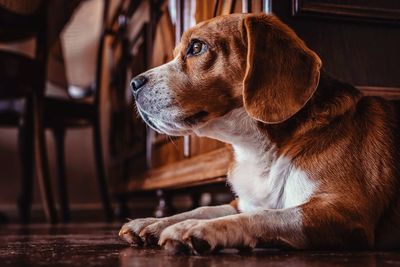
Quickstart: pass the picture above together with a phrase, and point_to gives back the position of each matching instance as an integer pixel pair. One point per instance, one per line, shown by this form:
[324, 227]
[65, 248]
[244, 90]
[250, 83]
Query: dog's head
[250, 61]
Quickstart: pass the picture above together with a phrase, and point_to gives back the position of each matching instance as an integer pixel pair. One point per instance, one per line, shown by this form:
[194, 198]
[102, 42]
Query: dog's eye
[196, 48]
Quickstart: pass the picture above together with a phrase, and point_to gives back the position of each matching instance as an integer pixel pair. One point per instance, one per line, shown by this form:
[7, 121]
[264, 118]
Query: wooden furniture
[358, 42]
[22, 83]
[25, 78]
[62, 114]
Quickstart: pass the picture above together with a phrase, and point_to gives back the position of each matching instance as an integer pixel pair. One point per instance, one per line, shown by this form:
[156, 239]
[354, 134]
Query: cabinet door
[357, 40]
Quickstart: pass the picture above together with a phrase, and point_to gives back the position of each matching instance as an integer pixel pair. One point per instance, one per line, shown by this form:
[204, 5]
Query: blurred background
[72, 147]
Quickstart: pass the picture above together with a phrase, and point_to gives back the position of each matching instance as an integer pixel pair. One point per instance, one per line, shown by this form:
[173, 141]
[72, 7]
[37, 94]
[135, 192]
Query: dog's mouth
[196, 118]
[177, 127]
[147, 120]
[168, 127]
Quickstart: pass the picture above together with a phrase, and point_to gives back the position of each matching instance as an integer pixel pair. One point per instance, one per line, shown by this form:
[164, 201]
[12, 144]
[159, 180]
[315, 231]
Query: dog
[316, 163]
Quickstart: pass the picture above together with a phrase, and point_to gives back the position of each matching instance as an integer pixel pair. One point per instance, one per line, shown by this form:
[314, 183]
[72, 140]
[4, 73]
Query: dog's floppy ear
[281, 74]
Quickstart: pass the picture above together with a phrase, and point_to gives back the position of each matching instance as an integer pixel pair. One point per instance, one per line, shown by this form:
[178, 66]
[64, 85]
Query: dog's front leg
[146, 231]
[316, 224]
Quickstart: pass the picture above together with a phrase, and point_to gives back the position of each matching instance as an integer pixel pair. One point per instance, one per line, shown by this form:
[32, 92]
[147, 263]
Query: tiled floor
[98, 245]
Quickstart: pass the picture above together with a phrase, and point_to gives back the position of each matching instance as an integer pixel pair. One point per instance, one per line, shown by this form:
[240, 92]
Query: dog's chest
[266, 182]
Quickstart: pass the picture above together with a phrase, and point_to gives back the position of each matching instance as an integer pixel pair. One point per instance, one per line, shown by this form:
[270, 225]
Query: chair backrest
[14, 66]
[24, 7]
[16, 27]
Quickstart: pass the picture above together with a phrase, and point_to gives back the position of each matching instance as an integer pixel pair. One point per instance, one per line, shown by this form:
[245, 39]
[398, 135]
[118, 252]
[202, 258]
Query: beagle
[316, 162]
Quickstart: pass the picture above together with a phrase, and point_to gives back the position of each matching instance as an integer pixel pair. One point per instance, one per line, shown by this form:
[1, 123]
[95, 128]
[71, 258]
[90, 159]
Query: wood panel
[207, 168]
[354, 51]
[373, 11]
[200, 146]
[167, 152]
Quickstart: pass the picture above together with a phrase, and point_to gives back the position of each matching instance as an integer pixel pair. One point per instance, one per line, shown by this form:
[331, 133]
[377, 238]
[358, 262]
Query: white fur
[153, 226]
[260, 178]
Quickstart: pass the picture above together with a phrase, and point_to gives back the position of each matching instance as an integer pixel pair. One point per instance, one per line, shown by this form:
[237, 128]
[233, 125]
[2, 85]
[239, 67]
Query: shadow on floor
[99, 245]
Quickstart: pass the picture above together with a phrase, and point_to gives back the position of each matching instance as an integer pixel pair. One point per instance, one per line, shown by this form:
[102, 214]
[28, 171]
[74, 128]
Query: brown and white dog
[316, 163]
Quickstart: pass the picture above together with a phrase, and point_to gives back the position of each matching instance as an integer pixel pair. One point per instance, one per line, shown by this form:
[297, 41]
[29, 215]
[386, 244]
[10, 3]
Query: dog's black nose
[138, 83]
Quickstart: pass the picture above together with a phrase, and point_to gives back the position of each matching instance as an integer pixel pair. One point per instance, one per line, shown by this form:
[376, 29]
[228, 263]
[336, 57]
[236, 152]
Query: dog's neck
[250, 144]
[260, 177]
[238, 129]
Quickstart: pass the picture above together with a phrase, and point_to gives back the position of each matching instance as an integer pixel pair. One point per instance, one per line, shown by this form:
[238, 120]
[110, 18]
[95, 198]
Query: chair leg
[122, 210]
[59, 137]
[41, 164]
[101, 177]
[25, 140]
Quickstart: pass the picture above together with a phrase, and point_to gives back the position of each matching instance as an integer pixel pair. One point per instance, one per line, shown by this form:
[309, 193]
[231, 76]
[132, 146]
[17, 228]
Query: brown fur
[282, 73]
[349, 145]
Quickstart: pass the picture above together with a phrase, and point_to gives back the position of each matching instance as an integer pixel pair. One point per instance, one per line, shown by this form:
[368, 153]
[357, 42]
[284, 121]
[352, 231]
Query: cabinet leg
[196, 198]
[164, 207]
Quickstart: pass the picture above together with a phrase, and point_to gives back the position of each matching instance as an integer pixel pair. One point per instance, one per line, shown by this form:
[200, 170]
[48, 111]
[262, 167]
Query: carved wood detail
[203, 169]
[385, 92]
[351, 10]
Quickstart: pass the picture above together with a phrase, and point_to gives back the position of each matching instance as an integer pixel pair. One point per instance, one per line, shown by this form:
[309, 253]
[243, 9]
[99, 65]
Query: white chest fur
[260, 179]
[268, 182]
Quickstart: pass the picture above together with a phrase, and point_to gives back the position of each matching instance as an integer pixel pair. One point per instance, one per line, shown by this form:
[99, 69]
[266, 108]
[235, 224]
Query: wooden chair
[62, 114]
[22, 79]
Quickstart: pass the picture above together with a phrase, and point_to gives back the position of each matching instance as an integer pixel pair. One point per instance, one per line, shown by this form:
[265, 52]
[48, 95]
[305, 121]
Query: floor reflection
[133, 257]
[99, 245]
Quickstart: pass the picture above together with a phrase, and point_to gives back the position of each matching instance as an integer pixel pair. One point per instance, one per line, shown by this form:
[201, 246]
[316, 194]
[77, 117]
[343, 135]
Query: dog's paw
[204, 236]
[130, 231]
[151, 233]
[172, 237]
[191, 237]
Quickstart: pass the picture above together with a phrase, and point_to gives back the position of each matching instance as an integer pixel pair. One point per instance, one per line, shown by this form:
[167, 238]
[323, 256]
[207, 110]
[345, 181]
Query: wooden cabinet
[358, 42]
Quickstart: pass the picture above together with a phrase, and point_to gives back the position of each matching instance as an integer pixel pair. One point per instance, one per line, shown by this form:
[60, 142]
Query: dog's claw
[200, 246]
[151, 240]
[131, 237]
[175, 247]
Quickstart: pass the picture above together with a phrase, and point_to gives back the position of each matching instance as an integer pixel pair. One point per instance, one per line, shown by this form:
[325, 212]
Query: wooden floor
[98, 245]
